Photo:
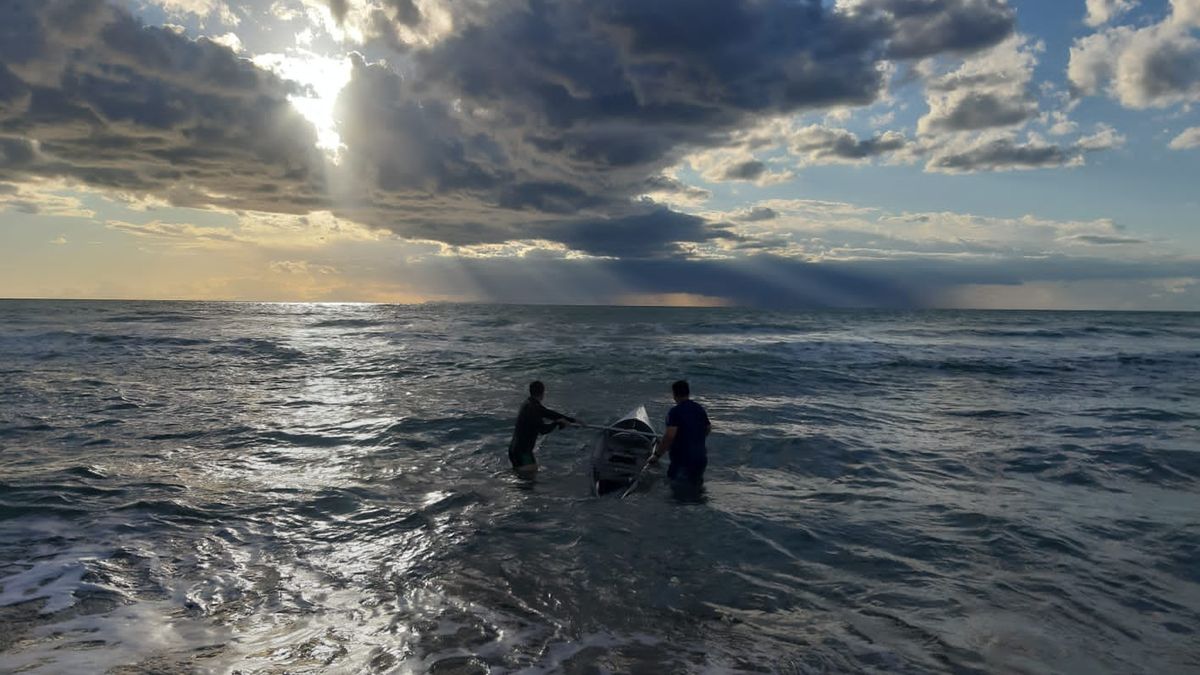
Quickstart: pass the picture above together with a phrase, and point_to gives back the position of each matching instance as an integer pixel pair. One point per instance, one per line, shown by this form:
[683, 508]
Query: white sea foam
[127, 635]
[54, 581]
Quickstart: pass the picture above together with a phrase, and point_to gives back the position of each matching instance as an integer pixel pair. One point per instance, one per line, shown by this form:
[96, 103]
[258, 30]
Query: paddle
[638, 478]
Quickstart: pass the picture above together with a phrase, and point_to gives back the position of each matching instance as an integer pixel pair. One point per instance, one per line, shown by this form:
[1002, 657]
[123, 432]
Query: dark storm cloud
[626, 86]
[673, 186]
[12, 90]
[116, 104]
[16, 153]
[532, 118]
[406, 12]
[920, 28]
[642, 235]
[399, 142]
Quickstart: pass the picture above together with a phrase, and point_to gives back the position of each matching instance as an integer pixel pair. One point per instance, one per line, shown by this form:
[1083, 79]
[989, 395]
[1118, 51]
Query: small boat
[618, 456]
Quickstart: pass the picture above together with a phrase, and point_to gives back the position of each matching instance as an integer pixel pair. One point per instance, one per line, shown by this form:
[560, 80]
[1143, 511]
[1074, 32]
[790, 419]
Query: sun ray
[322, 79]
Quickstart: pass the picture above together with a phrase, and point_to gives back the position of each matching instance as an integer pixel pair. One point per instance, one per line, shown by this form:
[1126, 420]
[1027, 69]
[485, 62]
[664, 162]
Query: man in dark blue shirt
[530, 425]
[687, 428]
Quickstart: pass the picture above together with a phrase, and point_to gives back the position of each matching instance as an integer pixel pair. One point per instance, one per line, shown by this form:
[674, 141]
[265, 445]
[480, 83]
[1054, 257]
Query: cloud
[998, 154]
[215, 9]
[817, 145]
[1188, 139]
[301, 267]
[980, 114]
[831, 231]
[230, 41]
[643, 235]
[249, 228]
[1153, 66]
[988, 90]
[759, 214]
[666, 189]
[185, 234]
[42, 198]
[735, 165]
[1104, 138]
[102, 99]
[628, 85]
[921, 28]
[592, 102]
[1006, 151]
[1101, 240]
[1100, 12]
[1059, 123]
[974, 110]
[1186, 12]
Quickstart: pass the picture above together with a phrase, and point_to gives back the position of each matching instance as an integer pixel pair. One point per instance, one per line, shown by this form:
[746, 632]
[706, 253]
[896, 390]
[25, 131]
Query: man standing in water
[687, 429]
[530, 425]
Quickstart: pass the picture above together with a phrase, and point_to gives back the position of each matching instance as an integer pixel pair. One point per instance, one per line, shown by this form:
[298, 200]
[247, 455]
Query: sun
[323, 78]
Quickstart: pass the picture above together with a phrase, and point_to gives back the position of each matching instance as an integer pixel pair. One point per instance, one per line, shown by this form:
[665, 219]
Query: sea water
[213, 487]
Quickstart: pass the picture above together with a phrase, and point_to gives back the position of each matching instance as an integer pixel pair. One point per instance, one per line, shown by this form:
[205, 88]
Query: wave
[159, 317]
[349, 323]
[257, 348]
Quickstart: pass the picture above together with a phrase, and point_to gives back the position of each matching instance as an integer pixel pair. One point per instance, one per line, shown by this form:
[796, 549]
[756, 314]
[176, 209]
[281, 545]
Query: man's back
[529, 425]
[691, 423]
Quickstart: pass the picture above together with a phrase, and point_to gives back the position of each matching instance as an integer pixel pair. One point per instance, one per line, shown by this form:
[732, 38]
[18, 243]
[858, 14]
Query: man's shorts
[688, 473]
[520, 458]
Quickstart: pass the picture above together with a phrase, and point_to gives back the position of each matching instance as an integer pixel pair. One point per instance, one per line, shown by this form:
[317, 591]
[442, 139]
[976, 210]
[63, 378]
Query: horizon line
[500, 303]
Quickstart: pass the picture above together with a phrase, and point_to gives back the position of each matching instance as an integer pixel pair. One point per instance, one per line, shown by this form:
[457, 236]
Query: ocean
[306, 488]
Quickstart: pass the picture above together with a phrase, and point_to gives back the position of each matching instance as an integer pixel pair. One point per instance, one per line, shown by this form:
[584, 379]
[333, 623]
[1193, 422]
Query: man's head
[681, 390]
[537, 389]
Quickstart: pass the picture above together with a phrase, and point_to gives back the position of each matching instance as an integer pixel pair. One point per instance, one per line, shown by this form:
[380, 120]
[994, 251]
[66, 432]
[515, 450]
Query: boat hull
[619, 456]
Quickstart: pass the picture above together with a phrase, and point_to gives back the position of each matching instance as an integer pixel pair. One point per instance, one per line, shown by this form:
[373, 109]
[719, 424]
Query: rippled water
[324, 488]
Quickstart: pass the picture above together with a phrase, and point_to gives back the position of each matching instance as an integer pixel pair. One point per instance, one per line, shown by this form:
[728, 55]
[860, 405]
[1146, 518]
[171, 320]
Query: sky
[771, 153]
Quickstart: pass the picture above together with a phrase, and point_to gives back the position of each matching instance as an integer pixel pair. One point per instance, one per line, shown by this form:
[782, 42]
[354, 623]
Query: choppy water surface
[301, 488]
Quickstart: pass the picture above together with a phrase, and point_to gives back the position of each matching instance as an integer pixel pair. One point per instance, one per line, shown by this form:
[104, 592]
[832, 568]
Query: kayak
[618, 457]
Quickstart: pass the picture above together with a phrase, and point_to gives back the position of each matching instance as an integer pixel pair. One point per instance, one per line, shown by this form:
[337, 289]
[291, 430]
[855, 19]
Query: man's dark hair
[681, 389]
[536, 388]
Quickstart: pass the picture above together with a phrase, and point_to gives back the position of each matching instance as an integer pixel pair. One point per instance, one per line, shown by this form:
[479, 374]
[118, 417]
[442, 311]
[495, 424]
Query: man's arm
[554, 414]
[665, 444]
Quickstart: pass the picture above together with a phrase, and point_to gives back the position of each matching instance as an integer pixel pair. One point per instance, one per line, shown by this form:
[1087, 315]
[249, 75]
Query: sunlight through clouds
[322, 78]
